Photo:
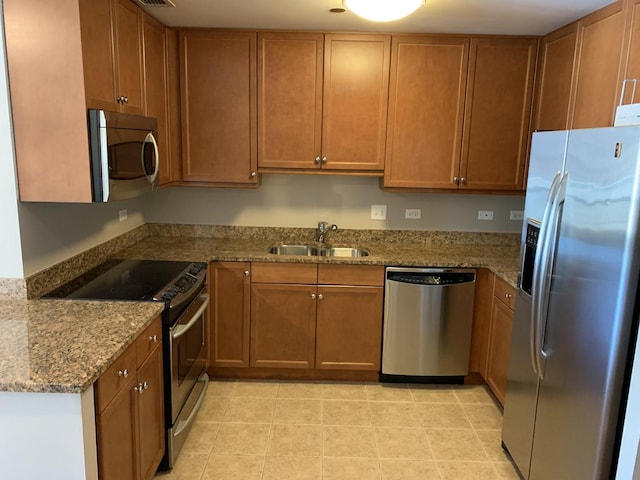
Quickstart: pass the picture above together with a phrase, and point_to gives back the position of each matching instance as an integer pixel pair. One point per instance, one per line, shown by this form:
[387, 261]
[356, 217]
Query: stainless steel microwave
[124, 155]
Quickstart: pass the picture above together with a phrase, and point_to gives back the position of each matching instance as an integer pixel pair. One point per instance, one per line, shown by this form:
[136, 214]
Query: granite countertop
[501, 259]
[63, 346]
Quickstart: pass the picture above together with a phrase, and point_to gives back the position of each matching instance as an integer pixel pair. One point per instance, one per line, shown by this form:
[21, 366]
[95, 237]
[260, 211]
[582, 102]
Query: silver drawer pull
[153, 338]
[123, 373]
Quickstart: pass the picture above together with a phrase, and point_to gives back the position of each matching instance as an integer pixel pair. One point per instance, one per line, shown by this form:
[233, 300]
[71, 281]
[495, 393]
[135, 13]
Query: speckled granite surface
[13, 288]
[64, 345]
[497, 252]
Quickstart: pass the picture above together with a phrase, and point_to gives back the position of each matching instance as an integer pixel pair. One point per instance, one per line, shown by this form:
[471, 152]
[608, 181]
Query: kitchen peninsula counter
[63, 346]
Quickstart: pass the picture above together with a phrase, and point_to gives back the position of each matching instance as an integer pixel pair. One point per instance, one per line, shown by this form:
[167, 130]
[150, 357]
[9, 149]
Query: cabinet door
[497, 113]
[349, 327]
[356, 86]
[556, 71]
[157, 90]
[116, 427]
[599, 67]
[482, 310]
[289, 99]
[150, 415]
[499, 347]
[283, 323]
[229, 289]
[218, 86]
[98, 54]
[426, 107]
[128, 48]
[632, 69]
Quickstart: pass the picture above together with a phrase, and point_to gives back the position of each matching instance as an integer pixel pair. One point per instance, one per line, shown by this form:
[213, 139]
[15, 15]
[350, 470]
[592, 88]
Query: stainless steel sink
[312, 250]
[344, 252]
[292, 249]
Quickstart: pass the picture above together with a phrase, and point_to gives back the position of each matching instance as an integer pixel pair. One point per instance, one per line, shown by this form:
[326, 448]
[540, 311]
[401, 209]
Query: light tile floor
[260, 430]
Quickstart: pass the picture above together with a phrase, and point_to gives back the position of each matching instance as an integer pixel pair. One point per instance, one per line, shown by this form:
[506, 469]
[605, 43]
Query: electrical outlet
[413, 213]
[485, 214]
[122, 214]
[378, 212]
[516, 215]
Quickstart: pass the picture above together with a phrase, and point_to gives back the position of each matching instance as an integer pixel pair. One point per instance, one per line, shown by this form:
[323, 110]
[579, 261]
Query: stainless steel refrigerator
[576, 313]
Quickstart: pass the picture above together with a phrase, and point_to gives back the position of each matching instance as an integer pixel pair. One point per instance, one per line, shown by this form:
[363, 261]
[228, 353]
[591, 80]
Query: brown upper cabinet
[157, 88]
[459, 112]
[582, 68]
[599, 69]
[322, 101]
[113, 55]
[497, 113]
[426, 110]
[218, 93]
[557, 60]
[632, 68]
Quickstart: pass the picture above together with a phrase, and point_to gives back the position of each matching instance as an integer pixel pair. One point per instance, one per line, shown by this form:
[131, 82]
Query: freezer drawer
[427, 321]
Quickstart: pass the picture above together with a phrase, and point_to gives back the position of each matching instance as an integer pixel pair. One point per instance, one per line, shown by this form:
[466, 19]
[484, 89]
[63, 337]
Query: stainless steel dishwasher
[427, 322]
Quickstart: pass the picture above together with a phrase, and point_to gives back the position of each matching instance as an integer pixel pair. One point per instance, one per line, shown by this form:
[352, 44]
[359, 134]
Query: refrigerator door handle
[546, 271]
[536, 283]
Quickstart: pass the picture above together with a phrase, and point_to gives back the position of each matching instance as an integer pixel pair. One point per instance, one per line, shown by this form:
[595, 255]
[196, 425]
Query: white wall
[10, 251]
[302, 200]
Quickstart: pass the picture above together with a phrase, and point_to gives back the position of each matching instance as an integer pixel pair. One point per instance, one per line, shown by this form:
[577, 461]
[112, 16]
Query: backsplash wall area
[303, 200]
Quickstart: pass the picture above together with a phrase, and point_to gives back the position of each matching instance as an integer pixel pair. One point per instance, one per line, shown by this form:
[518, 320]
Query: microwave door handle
[104, 156]
[151, 139]
[182, 329]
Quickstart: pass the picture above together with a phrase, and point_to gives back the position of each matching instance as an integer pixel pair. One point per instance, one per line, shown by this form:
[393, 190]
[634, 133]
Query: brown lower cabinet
[130, 411]
[492, 326]
[302, 316]
[500, 338]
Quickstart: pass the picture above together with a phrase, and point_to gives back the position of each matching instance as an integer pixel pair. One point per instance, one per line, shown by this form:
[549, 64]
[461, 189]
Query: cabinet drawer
[351, 275]
[284, 273]
[505, 293]
[148, 340]
[119, 374]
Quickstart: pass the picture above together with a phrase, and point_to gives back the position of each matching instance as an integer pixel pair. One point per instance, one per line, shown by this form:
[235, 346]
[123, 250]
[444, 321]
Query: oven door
[188, 351]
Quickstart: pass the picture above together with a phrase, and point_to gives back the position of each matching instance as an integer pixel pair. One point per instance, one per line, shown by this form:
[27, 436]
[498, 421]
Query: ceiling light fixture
[383, 10]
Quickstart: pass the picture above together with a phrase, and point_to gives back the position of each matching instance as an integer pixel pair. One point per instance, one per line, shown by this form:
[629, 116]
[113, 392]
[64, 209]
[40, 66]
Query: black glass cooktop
[122, 280]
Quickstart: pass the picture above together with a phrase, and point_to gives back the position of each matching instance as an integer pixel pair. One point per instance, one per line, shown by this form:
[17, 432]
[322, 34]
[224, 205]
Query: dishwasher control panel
[431, 278]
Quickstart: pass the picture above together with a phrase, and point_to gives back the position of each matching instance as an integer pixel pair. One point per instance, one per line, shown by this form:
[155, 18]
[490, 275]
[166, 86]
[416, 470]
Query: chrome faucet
[323, 229]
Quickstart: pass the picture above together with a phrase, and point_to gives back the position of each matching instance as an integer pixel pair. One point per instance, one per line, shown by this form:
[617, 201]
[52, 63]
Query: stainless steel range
[182, 288]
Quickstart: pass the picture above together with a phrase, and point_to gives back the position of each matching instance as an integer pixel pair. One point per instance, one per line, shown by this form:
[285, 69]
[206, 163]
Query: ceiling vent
[156, 3]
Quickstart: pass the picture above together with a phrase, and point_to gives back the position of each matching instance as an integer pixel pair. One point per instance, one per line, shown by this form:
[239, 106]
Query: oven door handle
[182, 329]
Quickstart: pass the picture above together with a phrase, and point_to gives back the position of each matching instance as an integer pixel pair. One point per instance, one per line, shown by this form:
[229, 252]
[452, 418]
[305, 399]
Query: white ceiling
[506, 17]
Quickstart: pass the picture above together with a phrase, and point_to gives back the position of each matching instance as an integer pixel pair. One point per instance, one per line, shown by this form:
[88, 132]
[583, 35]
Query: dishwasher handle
[431, 278]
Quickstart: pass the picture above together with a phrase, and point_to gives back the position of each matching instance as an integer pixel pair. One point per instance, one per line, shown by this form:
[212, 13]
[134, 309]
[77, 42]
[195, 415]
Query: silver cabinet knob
[320, 296]
[463, 180]
[153, 338]
[123, 373]
[317, 160]
[313, 296]
[254, 174]
[456, 180]
[324, 160]
[507, 295]
[246, 273]
[141, 387]
[125, 99]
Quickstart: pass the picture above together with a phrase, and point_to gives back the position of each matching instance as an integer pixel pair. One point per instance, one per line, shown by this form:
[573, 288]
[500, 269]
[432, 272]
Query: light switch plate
[122, 215]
